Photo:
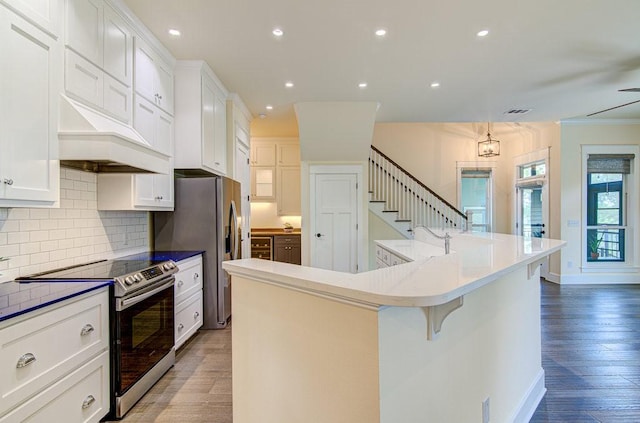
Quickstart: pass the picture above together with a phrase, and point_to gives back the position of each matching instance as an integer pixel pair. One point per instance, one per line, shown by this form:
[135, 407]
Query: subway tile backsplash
[36, 239]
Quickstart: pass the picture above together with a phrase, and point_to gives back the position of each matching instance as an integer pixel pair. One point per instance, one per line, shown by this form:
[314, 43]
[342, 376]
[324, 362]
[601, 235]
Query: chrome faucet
[446, 237]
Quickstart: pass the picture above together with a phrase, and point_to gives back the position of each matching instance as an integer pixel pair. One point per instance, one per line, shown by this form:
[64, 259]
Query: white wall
[36, 240]
[265, 215]
[574, 137]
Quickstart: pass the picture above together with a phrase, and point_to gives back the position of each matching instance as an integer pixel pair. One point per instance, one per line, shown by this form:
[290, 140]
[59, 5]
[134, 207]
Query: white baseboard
[600, 279]
[552, 277]
[530, 401]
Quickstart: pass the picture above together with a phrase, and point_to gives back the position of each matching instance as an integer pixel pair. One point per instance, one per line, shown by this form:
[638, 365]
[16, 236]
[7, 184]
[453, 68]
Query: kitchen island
[434, 339]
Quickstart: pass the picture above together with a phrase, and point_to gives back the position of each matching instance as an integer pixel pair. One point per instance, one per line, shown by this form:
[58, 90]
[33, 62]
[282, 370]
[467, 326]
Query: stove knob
[138, 277]
[168, 266]
[129, 280]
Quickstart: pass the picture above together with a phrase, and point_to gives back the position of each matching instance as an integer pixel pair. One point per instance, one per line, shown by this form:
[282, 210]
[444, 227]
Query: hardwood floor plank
[590, 353]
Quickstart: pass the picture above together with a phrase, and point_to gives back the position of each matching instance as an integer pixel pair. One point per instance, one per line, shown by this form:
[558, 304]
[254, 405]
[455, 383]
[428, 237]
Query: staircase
[403, 201]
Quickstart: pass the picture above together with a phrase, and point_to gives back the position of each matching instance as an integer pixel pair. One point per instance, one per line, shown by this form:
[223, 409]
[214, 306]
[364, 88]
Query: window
[606, 207]
[475, 187]
[533, 169]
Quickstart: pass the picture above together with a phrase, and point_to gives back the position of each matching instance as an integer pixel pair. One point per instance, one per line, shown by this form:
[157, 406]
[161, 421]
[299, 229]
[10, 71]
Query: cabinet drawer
[395, 260]
[286, 240]
[188, 279]
[83, 396]
[38, 351]
[188, 318]
[383, 255]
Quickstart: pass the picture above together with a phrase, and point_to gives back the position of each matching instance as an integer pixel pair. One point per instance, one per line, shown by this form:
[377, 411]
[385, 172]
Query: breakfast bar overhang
[430, 340]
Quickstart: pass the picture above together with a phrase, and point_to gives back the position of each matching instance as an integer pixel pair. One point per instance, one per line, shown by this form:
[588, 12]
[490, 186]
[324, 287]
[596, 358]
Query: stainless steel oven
[142, 322]
[143, 338]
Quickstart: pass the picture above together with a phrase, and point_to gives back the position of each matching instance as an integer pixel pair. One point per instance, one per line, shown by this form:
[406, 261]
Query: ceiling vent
[517, 111]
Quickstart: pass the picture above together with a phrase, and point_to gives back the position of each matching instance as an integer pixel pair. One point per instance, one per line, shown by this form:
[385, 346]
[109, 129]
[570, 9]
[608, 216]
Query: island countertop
[431, 278]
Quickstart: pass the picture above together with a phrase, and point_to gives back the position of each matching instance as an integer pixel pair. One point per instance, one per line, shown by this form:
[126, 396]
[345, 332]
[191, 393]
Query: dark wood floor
[590, 354]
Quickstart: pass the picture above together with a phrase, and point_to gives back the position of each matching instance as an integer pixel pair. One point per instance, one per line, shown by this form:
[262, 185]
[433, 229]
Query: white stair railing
[411, 199]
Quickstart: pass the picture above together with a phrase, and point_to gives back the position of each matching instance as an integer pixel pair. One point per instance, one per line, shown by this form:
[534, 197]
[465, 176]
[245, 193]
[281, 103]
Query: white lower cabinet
[188, 299]
[188, 318]
[385, 258]
[83, 396]
[55, 365]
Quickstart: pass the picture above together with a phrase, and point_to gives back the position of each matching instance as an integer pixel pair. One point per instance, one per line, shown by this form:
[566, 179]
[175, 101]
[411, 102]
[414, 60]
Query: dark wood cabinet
[286, 248]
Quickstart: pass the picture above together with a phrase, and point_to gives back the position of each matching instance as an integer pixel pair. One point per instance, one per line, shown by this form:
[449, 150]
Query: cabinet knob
[8, 181]
[196, 276]
[196, 315]
[88, 401]
[319, 235]
[180, 327]
[25, 360]
[180, 283]
[86, 330]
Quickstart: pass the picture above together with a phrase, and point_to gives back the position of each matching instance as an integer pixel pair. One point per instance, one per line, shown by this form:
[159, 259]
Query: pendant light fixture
[488, 147]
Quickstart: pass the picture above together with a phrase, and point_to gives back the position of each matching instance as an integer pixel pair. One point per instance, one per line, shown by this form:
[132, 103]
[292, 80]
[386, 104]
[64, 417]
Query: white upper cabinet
[117, 47]
[30, 67]
[288, 154]
[45, 14]
[263, 153]
[99, 57]
[153, 76]
[200, 119]
[122, 191]
[84, 28]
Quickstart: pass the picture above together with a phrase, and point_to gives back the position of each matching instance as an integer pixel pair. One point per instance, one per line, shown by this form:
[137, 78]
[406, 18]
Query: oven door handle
[125, 303]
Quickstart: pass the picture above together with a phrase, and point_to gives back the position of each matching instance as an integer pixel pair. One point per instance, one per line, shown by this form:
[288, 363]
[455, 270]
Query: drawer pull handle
[88, 401]
[86, 330]
[196, 276]
[180, 283]
[196, 315]
[180, 327]
[25, 360]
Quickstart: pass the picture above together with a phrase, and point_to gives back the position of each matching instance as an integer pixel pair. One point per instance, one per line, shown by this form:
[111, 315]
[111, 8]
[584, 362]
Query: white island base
[298, 357]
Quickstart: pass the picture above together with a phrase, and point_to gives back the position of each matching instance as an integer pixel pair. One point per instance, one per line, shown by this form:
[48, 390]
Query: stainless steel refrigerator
[205, 217]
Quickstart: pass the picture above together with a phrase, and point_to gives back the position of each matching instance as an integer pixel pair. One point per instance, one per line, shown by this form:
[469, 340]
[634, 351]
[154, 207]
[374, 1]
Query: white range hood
[94, 142]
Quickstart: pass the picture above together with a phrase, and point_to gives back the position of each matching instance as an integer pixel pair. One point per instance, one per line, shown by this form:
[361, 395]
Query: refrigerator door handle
[234, 231]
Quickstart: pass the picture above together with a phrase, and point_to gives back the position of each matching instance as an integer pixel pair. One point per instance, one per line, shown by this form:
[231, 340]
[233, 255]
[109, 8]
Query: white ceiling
[563, 59]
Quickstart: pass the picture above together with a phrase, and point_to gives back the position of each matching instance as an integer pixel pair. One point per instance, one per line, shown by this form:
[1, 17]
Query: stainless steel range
[142, 321]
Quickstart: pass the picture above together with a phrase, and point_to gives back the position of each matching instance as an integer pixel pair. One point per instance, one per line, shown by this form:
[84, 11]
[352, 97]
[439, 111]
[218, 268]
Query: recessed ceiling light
[435, 84]
[174, 32]
[483, 33]
[288, 84]
[381, 32]
[269, 107]
[362, 85]
[262, 116]
[278, 32]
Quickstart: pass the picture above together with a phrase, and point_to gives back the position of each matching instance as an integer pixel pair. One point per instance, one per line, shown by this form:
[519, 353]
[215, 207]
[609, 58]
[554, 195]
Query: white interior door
[334, 222]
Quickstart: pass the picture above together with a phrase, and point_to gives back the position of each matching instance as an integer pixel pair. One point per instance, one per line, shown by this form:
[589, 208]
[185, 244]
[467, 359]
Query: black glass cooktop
[100, 270]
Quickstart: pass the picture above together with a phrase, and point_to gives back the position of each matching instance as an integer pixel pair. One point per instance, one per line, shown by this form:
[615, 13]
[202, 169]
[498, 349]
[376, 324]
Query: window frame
[629, 212]
[483, 166]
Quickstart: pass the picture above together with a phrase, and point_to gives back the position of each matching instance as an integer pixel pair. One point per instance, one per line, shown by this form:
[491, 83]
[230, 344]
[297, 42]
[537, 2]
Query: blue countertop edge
[25, 297]
[18, 298]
